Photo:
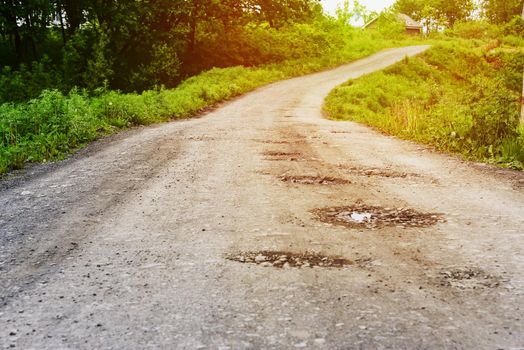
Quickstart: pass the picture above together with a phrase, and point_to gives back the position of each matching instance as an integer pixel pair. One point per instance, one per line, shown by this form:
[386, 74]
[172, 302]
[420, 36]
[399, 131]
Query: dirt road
[263, 225]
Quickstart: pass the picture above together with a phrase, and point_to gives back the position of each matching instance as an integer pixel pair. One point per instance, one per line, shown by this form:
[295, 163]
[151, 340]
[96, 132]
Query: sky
[372, 5]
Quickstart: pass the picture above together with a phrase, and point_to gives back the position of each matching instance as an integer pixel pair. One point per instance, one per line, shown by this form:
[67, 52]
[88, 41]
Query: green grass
[53, 125]
[460, 96]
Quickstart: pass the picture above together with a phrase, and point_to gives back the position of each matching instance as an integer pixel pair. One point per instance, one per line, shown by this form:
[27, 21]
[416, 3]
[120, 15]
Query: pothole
[282, 154]
[281, 259]
[376, 172]
[273, 142]
[365, 216]
[201, 138]
[467, 278]
[290, 156]
[314, 180]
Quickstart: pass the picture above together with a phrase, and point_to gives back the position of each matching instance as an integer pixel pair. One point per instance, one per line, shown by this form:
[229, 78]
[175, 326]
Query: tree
[501, 11]
[26, 22]
[522, 97]
[452, 11]
[349, 13]
[436, 13]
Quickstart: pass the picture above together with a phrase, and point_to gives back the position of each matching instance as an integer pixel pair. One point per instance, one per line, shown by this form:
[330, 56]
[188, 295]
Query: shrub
[494, 112]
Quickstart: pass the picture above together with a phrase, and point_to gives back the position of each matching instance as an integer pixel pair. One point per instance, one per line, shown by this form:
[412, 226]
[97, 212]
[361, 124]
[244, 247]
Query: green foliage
[45, 128]
[436, 13]
[475, 30]
[457, 97]
[27, 81]
[351, 12]
[99, 66]
[493, 110]
[501, 11]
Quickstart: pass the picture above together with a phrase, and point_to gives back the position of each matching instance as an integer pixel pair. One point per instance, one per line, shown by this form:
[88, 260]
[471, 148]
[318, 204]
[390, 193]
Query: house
[412, 27]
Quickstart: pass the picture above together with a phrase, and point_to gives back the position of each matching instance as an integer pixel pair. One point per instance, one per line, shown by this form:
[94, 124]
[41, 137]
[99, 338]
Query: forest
[137, 45]
[71, 71]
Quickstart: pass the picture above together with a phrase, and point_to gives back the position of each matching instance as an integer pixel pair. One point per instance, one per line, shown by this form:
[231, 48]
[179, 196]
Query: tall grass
[460, 96]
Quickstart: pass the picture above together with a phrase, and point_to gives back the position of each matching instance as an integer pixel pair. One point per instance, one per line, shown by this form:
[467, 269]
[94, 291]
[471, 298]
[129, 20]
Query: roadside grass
[460, 96]
[55, 124]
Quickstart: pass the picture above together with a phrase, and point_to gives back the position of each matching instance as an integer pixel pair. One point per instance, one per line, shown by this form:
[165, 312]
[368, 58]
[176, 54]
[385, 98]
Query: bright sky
[373, 5]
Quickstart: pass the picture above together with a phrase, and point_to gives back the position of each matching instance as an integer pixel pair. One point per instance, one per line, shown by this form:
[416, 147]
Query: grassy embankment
[461, 96]
[53, 125]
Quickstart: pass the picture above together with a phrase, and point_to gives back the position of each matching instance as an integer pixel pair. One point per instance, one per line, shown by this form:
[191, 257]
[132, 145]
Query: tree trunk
[62, 27]
[18, 44]
[73, 14]
[30, 37]
[522, 97]
[193, 27]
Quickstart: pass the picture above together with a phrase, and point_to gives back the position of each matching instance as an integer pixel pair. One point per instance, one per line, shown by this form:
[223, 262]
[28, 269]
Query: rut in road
[205, 233]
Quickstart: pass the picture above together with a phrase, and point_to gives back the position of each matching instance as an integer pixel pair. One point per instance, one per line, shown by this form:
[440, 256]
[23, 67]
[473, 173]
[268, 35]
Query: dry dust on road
[263, 226]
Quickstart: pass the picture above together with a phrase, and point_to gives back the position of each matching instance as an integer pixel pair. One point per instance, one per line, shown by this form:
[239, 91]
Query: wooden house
[412, 27]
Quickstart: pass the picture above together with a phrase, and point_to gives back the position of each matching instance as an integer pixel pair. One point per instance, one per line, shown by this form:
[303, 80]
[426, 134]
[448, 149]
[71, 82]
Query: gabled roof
[409, 22]
[371, 22]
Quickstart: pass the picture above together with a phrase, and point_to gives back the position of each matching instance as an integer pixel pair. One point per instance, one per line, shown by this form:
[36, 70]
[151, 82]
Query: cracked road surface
[204, 234]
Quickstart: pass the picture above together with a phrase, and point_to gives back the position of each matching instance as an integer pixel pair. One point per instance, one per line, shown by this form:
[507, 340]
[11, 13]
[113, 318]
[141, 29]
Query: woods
[132, 45]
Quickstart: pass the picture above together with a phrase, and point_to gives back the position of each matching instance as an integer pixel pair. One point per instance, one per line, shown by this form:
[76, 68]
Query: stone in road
[205, 233]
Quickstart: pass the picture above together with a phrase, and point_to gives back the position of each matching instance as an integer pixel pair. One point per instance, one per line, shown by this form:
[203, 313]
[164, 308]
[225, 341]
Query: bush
[494, 112]
[26, 82]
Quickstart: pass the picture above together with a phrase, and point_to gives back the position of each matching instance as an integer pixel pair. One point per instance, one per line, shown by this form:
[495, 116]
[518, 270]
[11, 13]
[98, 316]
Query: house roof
[371, 22]
[409, 22]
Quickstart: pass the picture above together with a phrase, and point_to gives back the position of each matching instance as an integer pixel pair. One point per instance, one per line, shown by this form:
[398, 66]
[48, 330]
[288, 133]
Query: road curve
[126, 245]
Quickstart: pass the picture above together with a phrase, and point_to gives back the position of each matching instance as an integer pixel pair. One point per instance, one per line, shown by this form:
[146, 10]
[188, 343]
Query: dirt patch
[340, 132]
[467, 278]
[281, 259]
[314, 180]
[365, 216]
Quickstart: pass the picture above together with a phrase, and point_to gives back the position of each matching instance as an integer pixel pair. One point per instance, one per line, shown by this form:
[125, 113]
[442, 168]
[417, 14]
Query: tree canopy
[133, 44]
[436, 13]
[501, 11]
[445, 13]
